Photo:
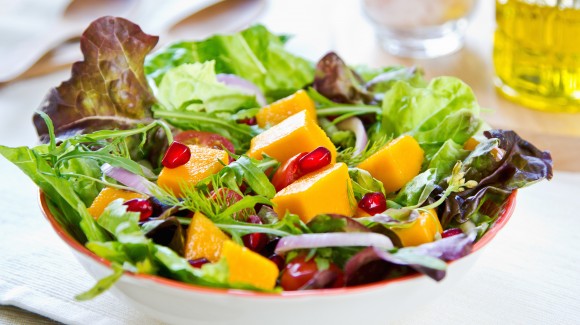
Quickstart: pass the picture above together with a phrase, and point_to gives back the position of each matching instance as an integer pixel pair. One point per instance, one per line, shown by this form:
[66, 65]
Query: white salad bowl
[179, 303]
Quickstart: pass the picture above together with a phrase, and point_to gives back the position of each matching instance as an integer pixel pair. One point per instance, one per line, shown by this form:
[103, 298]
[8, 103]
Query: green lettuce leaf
[445, 158]
[417, 191]
[194, 87]
[68, 208]
[363, 182]
[407, 109]
[254, 54]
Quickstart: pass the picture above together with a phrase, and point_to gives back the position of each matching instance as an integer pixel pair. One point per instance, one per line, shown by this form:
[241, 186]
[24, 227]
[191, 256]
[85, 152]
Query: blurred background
[38, 42]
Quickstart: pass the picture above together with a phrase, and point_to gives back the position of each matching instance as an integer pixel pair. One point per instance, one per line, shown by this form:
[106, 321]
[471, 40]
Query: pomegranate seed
[451, 232]
[278, 260]
[255, 241]
[198, 262]
[373, 203]
[143, 206]
[248, 121]
[314, 160]
[177, 154]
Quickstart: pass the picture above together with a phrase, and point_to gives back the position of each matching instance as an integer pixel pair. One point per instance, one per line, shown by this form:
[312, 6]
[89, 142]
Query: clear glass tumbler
[420, 28]
[537, 53]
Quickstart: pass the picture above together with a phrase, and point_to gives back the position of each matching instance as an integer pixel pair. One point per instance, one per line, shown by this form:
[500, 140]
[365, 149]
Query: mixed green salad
[123, 128]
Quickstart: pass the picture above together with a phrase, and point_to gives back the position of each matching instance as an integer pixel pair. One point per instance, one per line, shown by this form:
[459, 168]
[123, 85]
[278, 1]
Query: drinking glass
[420, 28]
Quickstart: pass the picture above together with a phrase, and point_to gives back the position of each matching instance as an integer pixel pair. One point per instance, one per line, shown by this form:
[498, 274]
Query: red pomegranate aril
[255, 241]
[278, 260]
[451, 232]
[248, 121]
[314, 160]
[143, 206]
[373, 203]
[198, 262]
[177, 155]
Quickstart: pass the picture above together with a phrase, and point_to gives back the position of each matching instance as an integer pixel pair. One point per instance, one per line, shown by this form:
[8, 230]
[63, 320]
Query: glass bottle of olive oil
[537, 53]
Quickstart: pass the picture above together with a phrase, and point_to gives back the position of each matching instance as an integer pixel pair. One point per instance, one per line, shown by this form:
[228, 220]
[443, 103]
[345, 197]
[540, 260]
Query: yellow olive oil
[537, 53]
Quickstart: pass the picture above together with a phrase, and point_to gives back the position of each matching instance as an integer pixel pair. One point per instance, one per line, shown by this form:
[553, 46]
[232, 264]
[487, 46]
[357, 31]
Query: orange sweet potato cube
[203, 239]
[323, 191]
[422, 231]
[204, 162]
[396, 163]
[298, 133]
[280, 110]
[108, 195]
[248, 267]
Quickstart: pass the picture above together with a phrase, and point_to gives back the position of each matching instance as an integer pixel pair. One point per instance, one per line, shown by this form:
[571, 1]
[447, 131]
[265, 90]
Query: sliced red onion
[244, 85]
[138, 183]
[333, 240]
[355, 125]
[321, 280]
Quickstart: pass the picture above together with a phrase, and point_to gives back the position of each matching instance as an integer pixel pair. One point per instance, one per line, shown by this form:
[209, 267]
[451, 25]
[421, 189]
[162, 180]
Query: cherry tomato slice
[288, 172]
[299, 271]
[204, 139]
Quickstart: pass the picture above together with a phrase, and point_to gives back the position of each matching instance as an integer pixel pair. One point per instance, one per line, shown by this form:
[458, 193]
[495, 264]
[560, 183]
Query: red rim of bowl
[503, 218]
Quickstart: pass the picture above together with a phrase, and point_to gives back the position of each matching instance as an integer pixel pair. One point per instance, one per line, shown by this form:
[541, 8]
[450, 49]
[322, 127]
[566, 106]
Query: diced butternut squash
[360, 213]
[280, 110]
[470, 144]
[108, 195]
[396, 163]
[325, 191]
[203, 162]
[203, 239]
[246, 266]
[497, 153]
[298, 133]
[422, 231]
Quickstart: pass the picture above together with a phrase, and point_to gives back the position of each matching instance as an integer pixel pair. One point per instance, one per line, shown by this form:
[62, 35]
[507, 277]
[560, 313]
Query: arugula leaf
[351, 158]
[251, 171]
[71, 210]
[325, 223]
[221, 123]
[106, 90]
[103, 284]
